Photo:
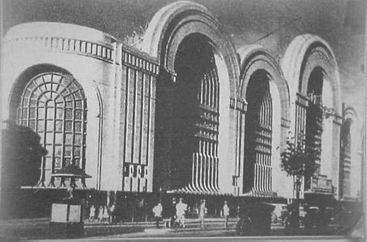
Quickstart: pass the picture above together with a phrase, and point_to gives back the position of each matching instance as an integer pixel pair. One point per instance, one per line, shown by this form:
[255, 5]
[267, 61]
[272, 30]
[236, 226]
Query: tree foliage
[300, 159]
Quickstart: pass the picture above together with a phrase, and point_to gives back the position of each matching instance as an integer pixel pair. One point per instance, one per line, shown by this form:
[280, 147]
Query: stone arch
[311, 70]
[169, 29]
[172, 23]
[304, 54]
[257, 60]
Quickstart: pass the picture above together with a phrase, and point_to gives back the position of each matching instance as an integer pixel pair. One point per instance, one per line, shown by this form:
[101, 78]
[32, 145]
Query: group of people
[178, 211]
[101, 214]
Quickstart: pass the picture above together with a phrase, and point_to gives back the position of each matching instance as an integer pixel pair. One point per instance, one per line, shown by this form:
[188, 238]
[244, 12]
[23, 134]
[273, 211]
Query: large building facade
[180, 110]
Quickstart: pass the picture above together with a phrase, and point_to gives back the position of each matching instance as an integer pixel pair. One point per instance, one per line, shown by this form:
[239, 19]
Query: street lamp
[67, 215]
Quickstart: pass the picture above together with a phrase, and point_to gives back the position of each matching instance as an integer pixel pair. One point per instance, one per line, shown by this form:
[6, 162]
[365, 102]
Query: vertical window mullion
[53, 134]
[73, 121]
[28, 108]
[82, 143]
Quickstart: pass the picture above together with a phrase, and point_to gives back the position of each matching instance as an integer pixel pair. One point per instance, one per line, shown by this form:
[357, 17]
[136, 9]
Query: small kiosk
[67, 214]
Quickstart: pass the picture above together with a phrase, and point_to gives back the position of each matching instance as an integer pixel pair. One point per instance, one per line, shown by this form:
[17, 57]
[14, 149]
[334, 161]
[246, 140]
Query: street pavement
[22, 229]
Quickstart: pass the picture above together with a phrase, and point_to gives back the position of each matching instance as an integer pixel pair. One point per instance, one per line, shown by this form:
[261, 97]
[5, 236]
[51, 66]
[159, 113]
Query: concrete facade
[120, 84]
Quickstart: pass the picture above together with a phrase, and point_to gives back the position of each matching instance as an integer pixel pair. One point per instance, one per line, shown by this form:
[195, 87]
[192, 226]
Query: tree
[300, 160]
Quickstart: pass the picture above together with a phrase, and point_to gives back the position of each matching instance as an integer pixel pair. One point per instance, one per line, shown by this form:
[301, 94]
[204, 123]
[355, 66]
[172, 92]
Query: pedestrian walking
[202, 212]
[100, 214]
[225, 214]
[92, 214]
[105, 216]
[112, 213]
[181, 208]
[157, 210]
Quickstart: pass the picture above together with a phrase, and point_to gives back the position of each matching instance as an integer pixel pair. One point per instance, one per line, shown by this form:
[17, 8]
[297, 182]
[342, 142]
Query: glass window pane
[67, 161]
[69, 104]
[68, 126]
[41, 125]
[77, 151]
[32, 112]
[69, 98]
[68, 139]
[41, 112]
[24, 122]
[68, 113]
[37, 92]
[58, 163]
[78, 104]
[65, 92]
[56, 78]
[60, 101]
[42, 88]
[78, 139]
[78, 127]
[50, 125]
[77, 95]
[58, 124]
[59, 113]
[50, 112]
[58, 150]
[59, 138]
[49, 149]
[73, 87]
[76, 161]
[47, 78]
[67, 151]
[48, 86]
[78, 114]
[49, 138]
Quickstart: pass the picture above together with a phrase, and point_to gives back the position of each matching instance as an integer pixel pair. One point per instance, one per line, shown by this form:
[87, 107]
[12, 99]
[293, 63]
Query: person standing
[225, 214]
[172, 213]
[157, 210]
[92, 214]
[105, 216]
[202, 212]
[100, 214]
[112, 213]
[181, 208]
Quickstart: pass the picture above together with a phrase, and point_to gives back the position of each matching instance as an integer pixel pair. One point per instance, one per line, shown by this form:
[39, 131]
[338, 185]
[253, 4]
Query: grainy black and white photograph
[223, 120]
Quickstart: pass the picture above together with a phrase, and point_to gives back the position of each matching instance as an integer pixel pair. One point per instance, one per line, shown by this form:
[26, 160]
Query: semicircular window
[54, 106]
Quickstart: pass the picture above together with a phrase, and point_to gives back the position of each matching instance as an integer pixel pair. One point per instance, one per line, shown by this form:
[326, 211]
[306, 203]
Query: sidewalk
[38, 228]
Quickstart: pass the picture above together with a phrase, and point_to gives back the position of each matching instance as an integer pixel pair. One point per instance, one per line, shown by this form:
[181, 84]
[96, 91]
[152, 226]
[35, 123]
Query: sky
[271, 23]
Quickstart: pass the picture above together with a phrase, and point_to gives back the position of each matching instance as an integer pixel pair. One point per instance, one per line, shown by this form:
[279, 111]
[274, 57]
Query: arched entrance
[198, 64]
[258, 135]
[311, 70]
[194, 123]
[263, 126]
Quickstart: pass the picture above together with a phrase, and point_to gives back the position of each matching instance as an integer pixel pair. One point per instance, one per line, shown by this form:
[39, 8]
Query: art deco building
[177, 109]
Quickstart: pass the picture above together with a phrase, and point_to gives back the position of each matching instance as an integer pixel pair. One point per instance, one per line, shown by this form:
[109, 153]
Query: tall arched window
[258, 141]
[54, 106]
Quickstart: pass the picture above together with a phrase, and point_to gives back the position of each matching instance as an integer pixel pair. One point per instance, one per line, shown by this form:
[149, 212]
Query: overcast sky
[339, 22]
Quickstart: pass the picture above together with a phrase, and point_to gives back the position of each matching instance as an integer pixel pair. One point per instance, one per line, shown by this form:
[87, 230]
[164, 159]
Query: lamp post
[67, 215]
